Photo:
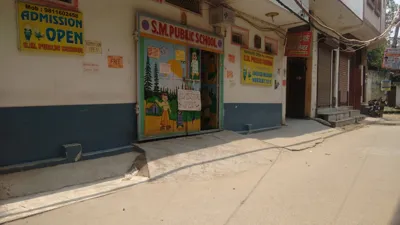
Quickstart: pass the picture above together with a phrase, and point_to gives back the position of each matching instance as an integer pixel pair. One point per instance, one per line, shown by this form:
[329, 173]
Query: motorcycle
[376, 107]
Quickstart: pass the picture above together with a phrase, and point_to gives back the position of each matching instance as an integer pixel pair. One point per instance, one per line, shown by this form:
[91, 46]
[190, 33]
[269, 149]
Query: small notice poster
[115, 62]
[153, 52]
[386, 85]
[180, 55]
[189, 100]
[165, 68]
[229, 74]
[93, 47]
[231, 58]
[90, 67]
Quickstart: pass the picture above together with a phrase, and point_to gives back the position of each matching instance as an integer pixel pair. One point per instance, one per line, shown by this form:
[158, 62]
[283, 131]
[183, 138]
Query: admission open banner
[46, 29]
[257, 68]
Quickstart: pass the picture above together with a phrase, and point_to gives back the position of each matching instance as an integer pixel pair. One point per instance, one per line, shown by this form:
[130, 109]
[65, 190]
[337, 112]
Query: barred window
[190, 5]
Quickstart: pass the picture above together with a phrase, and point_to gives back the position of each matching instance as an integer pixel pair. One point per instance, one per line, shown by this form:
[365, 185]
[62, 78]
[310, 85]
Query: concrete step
[360, 118]
[354, 113]
[334, 116]
[343, 122]
[339, 115]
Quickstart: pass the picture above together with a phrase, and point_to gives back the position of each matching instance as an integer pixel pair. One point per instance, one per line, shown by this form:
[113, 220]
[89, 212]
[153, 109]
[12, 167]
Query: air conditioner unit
[221, 15]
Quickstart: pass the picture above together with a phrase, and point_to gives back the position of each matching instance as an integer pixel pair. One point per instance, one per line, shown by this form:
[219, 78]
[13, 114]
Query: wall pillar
[336, 77]
[311, 77]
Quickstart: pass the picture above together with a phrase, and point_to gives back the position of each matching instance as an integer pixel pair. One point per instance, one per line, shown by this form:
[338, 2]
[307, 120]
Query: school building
[83, 79]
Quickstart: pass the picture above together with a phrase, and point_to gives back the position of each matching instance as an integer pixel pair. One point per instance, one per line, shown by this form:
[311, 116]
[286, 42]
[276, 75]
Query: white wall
[314, 71]
[293, 5]
[33, 79]
[357, 6]
[377, 21]
[234, 91]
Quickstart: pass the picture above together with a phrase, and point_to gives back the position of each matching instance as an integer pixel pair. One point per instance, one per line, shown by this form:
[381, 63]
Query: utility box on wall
[221, 15]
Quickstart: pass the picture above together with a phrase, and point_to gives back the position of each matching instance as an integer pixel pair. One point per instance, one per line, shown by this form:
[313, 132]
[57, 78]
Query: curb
[320, 140]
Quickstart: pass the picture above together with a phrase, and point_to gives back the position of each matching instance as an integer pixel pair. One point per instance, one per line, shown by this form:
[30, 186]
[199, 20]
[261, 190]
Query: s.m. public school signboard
[155, 28]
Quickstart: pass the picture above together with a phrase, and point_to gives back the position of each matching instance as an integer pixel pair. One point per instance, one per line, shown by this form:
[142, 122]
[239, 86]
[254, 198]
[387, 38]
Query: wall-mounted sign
[189, 100]
[229, 74]
[65, 4]
[90, 67]
[150, 27]
[257, 68]
[299, 44]
[231, 58]
[165, 68]
[115, 62]
[45, 29]
[93, 47]
[391, 59]
[153, 52]
[180, 55]
[386, 85]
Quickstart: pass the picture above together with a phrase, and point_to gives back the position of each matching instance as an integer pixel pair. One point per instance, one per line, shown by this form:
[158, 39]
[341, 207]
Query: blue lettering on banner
[52, 19]
[59, 34]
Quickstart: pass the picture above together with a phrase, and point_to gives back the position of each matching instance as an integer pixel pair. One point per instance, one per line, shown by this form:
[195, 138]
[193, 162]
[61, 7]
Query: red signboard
[299, 44]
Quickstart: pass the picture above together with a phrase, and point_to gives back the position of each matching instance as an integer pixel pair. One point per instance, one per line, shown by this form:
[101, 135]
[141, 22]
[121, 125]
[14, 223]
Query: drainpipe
[336, 89]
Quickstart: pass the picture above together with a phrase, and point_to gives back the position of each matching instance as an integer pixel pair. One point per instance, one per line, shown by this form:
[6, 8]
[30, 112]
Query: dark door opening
[392, 97]
[209, 90]
[296, 87]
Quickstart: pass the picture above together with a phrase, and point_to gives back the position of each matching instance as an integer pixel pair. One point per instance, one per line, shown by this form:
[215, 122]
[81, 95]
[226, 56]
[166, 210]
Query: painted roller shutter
[324, 77]
[343, 79]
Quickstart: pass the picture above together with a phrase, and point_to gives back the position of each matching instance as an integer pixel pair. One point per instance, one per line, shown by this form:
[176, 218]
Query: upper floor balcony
[364, 19]
[263, 9]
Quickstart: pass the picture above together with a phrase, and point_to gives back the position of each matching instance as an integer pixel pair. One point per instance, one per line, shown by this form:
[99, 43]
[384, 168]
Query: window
[378, 7]
[271, 46]
[371, 3]
[190, 5]
[268, 48]
[240, 36]
[237, 38]
[257, 41]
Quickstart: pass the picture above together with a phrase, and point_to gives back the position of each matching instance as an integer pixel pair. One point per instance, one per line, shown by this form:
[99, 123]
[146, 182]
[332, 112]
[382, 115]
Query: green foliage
[391, 7]
[173, 104]
[191, 116]
[156, 80]
[375, 56]
[147, 79]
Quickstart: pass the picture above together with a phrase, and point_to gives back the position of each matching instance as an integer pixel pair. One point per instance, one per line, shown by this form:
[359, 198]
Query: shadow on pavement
[194, 157]
[396, 215]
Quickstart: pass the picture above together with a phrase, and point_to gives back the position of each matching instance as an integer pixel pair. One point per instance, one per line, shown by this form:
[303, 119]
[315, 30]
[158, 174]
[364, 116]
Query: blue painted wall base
[30, 134]
[259, 115]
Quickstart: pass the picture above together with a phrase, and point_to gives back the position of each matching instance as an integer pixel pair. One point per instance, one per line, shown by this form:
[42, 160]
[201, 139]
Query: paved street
[352, 178]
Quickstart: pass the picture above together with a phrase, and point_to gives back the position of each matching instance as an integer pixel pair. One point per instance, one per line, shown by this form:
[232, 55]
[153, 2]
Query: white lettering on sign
[189, 100]
[154, 27]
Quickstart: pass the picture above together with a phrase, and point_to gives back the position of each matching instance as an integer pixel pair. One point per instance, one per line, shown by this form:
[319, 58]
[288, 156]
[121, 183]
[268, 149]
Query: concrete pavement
[347, 179]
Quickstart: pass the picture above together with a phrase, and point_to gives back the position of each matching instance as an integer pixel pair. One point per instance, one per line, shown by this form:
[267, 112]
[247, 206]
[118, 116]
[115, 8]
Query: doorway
[296, 87]
[391, 96]
[209, 91]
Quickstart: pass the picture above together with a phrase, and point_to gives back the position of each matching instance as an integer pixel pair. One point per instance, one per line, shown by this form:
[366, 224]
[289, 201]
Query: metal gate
[343, 80]
[324, 80]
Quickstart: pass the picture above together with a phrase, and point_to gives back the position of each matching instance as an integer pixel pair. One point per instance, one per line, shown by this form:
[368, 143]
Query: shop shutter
[324, 77]
[343, 79]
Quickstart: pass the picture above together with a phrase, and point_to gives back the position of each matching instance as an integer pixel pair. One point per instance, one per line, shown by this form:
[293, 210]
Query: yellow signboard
[46, 29]
[257, 68]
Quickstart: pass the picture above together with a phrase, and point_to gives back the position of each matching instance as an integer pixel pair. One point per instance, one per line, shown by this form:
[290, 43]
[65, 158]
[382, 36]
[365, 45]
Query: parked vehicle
[376, 107]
